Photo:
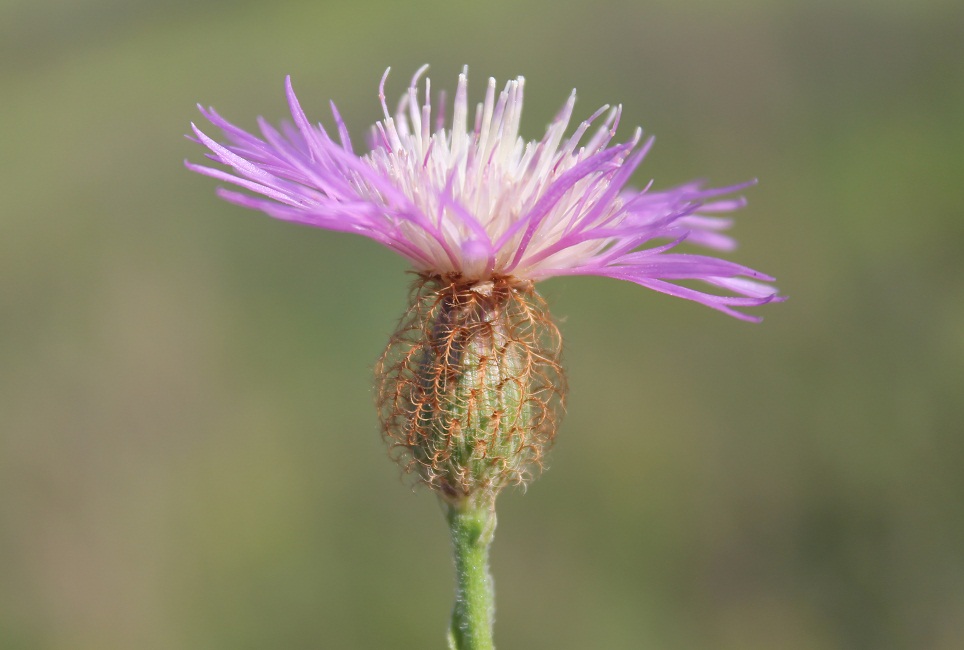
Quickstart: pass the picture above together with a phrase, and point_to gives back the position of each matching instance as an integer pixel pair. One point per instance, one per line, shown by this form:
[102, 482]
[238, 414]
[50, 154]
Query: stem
[472, 524]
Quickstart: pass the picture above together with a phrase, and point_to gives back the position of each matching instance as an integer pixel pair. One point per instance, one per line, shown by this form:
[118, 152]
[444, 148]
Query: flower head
[477, 202]
[471, 387]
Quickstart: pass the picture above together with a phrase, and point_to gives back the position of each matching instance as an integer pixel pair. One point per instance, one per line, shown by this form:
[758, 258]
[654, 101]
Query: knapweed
[470, 387]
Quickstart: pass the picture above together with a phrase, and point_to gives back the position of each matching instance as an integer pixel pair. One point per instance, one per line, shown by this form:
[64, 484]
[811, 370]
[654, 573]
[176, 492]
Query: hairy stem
[472, 524]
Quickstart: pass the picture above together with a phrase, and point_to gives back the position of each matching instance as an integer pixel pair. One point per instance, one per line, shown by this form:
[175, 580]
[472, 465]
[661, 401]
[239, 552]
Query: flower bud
[470, 388]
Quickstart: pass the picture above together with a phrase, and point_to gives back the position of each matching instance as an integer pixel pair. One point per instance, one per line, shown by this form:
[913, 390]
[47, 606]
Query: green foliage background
[189, 456]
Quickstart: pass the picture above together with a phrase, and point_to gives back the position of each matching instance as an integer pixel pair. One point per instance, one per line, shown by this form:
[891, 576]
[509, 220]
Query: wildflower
[471, 385]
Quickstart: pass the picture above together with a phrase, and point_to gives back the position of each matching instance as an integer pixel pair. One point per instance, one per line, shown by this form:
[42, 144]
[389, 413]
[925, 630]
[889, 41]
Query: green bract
[470, 385]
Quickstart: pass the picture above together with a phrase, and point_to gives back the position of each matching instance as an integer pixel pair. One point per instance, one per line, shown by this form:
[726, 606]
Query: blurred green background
[189, 455]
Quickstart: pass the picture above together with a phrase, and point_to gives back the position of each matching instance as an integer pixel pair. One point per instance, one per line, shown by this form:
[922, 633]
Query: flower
[471, 386]
[481, 203]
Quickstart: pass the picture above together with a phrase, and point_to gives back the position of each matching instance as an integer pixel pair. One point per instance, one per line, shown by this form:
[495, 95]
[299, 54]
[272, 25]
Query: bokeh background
[189, 456]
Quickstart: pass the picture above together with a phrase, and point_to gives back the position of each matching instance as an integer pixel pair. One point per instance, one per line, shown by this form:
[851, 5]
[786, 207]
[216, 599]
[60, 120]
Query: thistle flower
[470, 387]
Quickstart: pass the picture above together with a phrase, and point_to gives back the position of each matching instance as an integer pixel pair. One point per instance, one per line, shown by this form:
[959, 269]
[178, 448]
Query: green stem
[472, 524]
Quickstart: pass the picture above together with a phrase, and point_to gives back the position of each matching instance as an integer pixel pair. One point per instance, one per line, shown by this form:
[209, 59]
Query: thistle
[470, 388]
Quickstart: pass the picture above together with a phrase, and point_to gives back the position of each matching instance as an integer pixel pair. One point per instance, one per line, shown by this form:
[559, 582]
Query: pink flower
[476, 201]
